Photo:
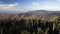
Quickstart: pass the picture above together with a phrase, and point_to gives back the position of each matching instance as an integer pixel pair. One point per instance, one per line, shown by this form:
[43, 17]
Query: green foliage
[27, 26]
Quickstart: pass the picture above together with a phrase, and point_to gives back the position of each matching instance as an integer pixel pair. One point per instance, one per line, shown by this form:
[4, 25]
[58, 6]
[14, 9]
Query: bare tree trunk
[1, 31]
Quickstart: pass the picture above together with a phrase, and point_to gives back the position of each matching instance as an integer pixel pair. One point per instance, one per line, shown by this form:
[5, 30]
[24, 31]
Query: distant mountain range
[44, 13]
[41, 12]
[29, 14]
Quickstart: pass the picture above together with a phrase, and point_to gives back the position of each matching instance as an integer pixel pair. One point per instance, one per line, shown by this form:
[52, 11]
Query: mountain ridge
[29, 14]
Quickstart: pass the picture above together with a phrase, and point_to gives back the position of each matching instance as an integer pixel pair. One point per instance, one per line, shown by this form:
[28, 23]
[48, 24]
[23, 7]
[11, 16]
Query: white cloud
[7, 6]
[43, 2]
[49, 7]
[57, 0]
[11, 7]
[15, 4]
[45, 5]
[35, 3]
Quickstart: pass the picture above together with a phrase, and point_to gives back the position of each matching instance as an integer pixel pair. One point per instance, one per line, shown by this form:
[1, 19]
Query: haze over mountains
[33, 14]
[41, 12]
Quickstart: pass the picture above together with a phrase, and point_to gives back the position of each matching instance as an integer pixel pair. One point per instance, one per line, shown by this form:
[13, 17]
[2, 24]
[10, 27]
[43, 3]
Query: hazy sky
[28, 5]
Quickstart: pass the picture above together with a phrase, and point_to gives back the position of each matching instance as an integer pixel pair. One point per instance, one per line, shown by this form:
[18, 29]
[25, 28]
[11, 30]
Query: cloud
[15, 4]
[11, 8]
[45, 5]
[58, 0]
[16, 7]
[8, 5]
[50, 8]
[35, 3]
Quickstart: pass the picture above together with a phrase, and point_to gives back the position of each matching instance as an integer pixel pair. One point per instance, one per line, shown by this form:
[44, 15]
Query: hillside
[44, 13]
[31, 14]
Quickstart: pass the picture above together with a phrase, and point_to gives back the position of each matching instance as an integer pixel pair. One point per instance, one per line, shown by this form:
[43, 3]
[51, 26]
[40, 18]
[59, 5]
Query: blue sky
[28, 5]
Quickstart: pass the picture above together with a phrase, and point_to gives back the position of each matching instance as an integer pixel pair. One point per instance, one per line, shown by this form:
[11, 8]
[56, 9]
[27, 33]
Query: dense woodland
[28, 26]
